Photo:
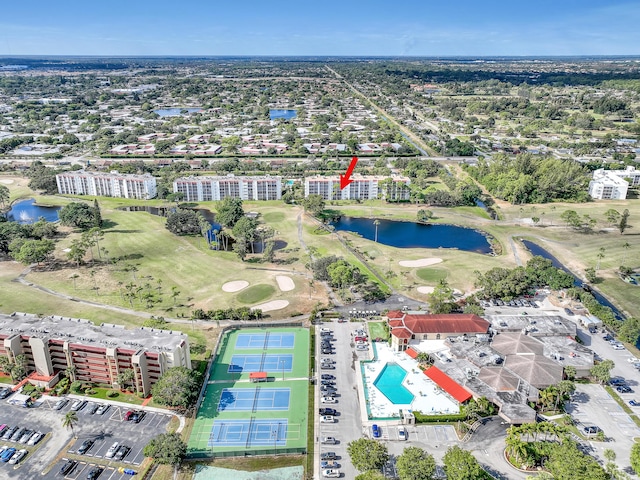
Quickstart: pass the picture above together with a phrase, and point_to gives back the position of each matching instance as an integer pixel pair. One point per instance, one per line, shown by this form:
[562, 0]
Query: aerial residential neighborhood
[368, 242]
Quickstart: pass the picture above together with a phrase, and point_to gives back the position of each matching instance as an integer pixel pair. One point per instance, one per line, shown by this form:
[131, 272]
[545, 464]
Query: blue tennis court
[254, 432]
[254, 399]
[265, 340]
[261, 363]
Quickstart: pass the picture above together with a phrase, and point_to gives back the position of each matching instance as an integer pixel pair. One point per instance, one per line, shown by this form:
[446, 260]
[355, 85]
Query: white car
[328, 400]
[112, 450]
[364, 346]
[402, 433]
[35, 438]
[17, 457]
[331, 473]
[327, 419]
[618, 346]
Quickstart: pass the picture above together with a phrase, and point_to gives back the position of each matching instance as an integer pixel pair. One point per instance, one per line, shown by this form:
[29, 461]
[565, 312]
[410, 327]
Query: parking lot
[82, 469]
[104, 430]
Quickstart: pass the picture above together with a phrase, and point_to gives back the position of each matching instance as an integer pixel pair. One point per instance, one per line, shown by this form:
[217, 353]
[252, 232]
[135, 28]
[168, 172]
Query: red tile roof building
[448, 384]
[406, 327]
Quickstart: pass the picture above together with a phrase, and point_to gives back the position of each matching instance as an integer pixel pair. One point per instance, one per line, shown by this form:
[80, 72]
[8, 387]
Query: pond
[602, 300]
[416, 235]
[26, 211]
[284, 114]
[174, 112]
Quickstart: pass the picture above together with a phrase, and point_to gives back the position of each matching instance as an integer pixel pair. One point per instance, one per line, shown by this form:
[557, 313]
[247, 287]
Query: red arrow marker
[345, 179]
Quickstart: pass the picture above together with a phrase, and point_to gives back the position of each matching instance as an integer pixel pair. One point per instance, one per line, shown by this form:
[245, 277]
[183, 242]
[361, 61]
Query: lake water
[416, 235]
[538, 250]
[174, 112]
[26, 211]
[284, 114]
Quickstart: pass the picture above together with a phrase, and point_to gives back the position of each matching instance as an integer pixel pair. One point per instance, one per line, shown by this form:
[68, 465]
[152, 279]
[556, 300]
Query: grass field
[219, 379]
[256, 293]
[376, 330]
[431, 275]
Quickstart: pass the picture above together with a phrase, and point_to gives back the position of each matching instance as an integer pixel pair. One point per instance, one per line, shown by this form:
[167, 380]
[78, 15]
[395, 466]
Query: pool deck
[428, 397]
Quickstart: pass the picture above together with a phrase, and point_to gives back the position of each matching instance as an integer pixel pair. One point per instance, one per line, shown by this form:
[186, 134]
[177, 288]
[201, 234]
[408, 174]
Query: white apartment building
[206, 188]
[612, 184]
[363, 187]
[107, 184]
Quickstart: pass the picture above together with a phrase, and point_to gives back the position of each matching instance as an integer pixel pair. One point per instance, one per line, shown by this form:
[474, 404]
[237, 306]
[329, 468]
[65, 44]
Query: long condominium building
[205, 188]
[107, 184]
[613, 184]
[49, 346]
[362, 187]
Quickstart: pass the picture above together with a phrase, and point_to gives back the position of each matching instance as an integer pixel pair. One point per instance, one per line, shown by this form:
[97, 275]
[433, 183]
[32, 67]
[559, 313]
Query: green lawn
[101, 393]
[256, 293]
[431, 275]
[376, 330]
[273, 217]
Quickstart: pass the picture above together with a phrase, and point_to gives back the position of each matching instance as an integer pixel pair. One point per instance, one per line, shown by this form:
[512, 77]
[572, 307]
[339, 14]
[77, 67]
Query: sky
[326, 27]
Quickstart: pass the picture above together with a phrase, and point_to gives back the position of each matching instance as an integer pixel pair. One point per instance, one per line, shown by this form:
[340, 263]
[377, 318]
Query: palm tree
[626, 247]
[600, 257]
[376, 222]
[69, 420]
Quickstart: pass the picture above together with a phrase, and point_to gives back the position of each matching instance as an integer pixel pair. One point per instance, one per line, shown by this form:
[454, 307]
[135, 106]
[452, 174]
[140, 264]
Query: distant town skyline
[284, 27]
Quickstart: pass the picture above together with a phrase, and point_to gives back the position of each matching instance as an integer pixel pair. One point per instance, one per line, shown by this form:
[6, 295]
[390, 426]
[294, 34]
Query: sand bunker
[6, 181]
[235, 286]
[272, 305]
[426, 290]
[285, 283]
[423, 262]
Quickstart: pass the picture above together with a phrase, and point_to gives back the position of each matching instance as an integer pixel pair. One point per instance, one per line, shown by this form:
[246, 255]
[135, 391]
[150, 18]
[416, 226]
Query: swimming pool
[389, 382]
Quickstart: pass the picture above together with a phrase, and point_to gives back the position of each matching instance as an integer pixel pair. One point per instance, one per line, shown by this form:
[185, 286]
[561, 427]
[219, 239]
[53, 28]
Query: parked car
[606, 337]
[328, 400]
[326, 376]
[327, 351]
[329, 440]
[127, 416]
[9, 433]
[3, 428]
[615, 381]
[122, 452]
[35, 438]
[60, 404]
[634, 403]
[18, 434]
[327, 382]
[327, 366]
[5, 392]
[327, 419]
[375, 430]
[328, 456]
[92, 408]
[26, 436]
[624, 389]
[331, 473]
[362, 347]
[68, 467]
[402, 433]
[618, 346]
[327, 411]
[16, 457]
[7, 454]
[78, 405]
[102, 408]
[137, 417]
[329, 464]
[94, 473]
[85, 447]
[112, 450]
